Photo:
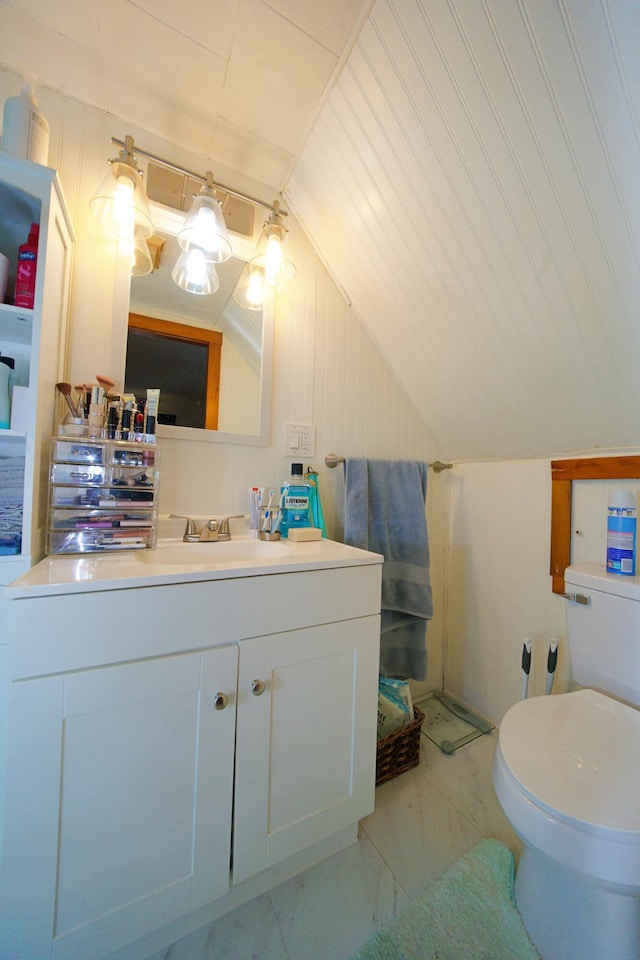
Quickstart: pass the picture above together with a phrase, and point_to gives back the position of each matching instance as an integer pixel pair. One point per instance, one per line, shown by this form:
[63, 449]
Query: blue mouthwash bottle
[296, 501]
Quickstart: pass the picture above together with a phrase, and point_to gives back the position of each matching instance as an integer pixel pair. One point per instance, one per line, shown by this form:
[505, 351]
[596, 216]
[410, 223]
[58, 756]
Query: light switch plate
[299, 440]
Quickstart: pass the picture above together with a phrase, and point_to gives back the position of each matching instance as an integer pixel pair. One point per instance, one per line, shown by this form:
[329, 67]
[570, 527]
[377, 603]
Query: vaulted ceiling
[467, 169]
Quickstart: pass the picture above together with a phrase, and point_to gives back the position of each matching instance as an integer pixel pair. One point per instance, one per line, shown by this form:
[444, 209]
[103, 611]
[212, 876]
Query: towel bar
[332, 460]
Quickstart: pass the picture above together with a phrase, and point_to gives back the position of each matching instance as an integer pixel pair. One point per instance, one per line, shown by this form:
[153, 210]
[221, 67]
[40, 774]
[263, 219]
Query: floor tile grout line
[278, 925]
[382, 858]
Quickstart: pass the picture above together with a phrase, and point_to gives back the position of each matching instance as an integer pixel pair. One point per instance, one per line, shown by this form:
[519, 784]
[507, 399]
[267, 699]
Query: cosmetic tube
[96, 414]
[138, 422]
[128, 403]
[153, 401]
[113, 419]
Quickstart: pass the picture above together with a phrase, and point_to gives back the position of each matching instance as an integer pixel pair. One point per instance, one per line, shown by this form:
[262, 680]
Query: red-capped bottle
[27, 264]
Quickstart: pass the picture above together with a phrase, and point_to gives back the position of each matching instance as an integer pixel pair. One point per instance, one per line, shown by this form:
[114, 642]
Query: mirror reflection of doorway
[183, 362]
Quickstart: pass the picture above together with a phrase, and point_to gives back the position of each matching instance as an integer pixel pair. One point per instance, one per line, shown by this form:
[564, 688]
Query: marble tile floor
[423, 821]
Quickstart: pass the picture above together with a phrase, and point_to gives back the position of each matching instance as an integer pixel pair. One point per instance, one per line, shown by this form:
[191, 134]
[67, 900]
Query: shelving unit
[36, 339]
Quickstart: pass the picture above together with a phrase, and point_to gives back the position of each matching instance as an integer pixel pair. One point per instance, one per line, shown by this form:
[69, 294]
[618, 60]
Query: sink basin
[222, 552]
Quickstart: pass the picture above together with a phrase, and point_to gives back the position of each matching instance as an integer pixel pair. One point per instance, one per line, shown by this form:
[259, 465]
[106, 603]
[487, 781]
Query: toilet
[567, 774]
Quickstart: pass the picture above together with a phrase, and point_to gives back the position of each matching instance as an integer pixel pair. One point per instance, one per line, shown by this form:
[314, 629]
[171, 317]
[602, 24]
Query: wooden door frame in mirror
[186, 333]
[563, 473]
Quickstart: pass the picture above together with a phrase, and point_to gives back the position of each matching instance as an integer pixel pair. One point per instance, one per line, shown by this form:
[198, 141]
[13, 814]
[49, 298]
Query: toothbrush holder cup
[268, 528]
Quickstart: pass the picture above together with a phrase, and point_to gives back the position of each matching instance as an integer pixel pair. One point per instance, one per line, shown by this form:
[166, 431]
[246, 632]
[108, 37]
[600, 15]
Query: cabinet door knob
[257, 687]
[220, 701]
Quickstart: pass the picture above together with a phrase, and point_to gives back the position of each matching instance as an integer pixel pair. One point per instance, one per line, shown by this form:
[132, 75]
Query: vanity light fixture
[268, 265]
[204, 225]
[269, 256]
[120, 203]
[249, 291]
[195, 273]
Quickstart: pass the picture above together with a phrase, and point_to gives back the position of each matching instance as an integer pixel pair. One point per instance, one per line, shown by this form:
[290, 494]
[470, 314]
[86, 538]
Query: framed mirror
[210, 358]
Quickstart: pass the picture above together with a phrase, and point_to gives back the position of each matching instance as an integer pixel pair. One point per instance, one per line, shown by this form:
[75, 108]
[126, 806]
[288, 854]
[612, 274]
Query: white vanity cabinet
[129, 712]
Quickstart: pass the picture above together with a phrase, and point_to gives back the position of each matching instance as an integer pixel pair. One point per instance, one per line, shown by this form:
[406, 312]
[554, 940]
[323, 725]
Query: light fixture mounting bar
[196, 176]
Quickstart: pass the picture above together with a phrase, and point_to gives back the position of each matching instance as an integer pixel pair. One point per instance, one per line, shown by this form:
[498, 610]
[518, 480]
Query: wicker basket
[400, 750]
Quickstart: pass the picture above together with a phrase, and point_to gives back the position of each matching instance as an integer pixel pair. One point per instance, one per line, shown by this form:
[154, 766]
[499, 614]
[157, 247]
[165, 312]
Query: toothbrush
[552, 660]
[526, 666]
[267, 512]
[276, 525]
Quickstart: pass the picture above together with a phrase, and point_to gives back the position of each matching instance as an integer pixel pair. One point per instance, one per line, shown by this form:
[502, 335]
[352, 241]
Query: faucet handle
[224, 533]
[190, 531]
[209, 532]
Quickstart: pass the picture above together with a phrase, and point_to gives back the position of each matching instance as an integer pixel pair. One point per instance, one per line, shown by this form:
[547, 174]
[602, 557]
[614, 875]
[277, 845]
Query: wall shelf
[563, 473]
[16, 324]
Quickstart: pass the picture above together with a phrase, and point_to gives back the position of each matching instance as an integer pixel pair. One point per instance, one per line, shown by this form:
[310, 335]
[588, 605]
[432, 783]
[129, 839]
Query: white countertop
[88, 573]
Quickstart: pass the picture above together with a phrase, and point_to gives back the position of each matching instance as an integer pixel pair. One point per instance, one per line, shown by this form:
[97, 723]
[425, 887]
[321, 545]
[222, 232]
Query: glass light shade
[120, 203]
[195, 273]
[204, 227]
[249, 291]
[141, 262]
[269, 256]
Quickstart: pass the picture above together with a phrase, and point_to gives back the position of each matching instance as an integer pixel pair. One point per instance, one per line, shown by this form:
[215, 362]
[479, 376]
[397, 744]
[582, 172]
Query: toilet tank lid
[594, 576]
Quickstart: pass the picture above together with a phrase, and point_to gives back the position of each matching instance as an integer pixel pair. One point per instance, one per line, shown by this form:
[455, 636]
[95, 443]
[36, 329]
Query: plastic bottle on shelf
[621, 532]
[6, 368]
[25, 131]
[27, 268]
[296, 501]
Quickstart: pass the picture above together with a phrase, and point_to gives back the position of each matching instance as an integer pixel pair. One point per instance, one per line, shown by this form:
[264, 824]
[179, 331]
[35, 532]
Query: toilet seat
[578, 756]
[567, 774]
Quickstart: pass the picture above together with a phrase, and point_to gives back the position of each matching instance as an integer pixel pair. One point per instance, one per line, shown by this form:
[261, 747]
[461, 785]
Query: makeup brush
[65, 390]
[106, 383]
[80, 403]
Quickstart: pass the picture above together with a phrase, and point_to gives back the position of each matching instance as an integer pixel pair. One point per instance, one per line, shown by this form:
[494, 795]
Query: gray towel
[384, 512]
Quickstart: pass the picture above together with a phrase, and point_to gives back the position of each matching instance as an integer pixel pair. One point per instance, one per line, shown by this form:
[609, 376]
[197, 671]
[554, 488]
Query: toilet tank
[603, 629]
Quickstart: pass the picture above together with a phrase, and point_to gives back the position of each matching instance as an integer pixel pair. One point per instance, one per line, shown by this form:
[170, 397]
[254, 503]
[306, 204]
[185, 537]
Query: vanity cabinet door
[306, 739]
[134, 765]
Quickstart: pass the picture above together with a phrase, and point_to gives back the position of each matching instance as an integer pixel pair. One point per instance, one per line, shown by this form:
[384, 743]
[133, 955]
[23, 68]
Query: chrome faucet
[190, 534]
[211, 532]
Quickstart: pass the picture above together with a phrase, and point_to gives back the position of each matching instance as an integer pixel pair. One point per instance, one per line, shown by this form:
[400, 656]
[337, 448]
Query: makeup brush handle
[70, 404]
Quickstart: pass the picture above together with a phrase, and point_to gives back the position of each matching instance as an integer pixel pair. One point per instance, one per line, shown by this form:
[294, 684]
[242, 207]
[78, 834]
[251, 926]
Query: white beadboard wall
[327, 370]
[472, 183]
[498, 588]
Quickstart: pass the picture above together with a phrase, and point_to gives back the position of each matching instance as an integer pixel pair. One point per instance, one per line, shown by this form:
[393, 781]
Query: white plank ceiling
[472, 183]
[238, 81]
[467, 169]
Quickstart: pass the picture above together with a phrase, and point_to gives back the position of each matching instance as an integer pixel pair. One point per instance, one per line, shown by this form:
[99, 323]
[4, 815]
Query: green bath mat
[448, 723]
[469, 914]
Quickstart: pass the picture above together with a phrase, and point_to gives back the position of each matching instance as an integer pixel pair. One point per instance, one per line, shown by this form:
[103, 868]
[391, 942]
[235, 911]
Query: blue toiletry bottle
[621, 532]
[296, 501]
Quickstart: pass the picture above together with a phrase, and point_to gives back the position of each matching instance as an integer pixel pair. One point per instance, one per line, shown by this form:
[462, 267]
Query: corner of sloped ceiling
[472, 183]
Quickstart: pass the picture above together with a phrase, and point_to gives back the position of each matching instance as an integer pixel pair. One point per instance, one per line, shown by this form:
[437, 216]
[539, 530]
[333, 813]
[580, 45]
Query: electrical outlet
[306, 442]
[299, 440]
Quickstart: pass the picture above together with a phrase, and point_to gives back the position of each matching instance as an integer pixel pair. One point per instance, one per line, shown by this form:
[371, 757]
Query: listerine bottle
[296, 501]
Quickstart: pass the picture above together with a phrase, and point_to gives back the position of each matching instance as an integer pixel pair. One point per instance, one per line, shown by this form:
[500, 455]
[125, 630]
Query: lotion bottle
[25, 131]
